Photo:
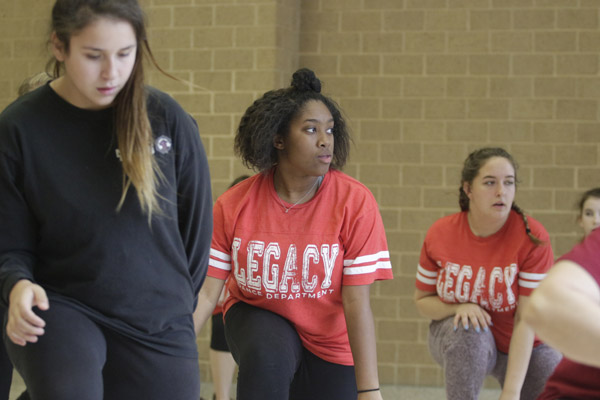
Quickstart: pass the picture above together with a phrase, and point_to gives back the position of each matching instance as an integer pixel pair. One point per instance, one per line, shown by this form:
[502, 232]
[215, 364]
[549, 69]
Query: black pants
[6, 368]
[217, 335]
[78, 359]
[274, 365]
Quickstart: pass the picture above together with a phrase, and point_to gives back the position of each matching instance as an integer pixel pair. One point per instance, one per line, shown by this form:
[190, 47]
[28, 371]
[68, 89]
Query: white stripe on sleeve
[220, 255]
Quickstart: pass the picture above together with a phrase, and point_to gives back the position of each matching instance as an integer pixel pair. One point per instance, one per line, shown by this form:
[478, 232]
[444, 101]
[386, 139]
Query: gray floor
[389, 392]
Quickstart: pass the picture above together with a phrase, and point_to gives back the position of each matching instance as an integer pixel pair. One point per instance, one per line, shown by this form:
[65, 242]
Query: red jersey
[570, 379]
[490, 271]
[296, 263]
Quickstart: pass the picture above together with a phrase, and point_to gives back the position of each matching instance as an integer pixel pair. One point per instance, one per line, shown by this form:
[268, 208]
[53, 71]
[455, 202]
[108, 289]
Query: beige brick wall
[422, 83]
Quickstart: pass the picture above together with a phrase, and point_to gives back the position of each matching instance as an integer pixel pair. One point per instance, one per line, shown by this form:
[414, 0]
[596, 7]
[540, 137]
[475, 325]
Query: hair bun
[305, 80]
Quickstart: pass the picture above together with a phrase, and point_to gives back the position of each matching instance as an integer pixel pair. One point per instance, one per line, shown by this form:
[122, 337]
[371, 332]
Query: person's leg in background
[222, 364]
[541, 365]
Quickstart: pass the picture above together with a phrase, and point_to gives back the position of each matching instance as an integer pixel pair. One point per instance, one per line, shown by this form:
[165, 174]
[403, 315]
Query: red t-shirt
[296, 263]
[490, 271]
[570, 379]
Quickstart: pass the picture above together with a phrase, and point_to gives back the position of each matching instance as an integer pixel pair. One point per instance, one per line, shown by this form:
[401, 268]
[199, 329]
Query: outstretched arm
[361, 333]
[565, 312]
[207, 300]
[519, 354]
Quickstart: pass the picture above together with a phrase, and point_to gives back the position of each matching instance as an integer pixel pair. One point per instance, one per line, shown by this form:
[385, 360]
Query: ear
[466, 187]
[58, 48]
[580, 221]
[278, 142]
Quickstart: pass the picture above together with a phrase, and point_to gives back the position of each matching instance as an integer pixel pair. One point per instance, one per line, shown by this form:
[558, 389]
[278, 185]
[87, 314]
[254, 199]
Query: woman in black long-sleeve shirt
[106, 214]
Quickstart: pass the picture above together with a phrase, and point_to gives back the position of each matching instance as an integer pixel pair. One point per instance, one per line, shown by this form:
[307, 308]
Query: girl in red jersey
[301, 243]
[476, 271]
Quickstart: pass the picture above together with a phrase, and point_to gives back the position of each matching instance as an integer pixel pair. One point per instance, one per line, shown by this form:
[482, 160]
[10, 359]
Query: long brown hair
[471, 167]
[132, 126]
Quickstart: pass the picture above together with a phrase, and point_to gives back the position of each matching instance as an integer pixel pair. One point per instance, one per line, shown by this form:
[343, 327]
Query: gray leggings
[468, 357]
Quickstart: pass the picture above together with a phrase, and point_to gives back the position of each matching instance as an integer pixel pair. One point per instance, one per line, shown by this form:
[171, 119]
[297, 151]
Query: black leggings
[217, 335]
[78, 359]
[273, 363]
[6, 368]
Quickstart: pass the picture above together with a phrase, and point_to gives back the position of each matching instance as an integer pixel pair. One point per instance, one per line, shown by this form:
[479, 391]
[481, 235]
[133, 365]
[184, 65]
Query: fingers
[472, 315]
[457, 319]
[40, 297]
[23, 324]
[15, 338]
[21, 338]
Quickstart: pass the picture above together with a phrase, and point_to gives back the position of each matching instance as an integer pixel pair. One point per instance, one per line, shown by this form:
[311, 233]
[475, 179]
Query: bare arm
[207, 300]
[361, 333]
[431, 306]
[519, 354]
[565, 312]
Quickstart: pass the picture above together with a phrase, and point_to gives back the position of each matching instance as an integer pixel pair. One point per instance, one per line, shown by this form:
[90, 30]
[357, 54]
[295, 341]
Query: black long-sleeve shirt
[60, 184]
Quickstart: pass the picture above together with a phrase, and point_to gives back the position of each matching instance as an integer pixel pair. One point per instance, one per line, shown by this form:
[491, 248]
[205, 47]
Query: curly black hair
[271, 116]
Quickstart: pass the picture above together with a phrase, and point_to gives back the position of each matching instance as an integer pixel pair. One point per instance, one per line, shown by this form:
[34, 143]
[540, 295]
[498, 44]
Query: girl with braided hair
[476, 271]
[301, 242]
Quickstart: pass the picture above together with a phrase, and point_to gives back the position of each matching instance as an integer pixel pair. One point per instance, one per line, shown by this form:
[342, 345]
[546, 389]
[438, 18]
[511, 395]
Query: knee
[268, 356]
[471, 346]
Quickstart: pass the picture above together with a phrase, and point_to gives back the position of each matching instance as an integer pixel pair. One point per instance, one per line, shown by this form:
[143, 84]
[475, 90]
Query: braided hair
[271, 115]
[471, 167]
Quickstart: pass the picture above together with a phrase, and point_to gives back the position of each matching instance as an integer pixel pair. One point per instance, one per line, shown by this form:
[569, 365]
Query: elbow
[420, 299]
[422, 309]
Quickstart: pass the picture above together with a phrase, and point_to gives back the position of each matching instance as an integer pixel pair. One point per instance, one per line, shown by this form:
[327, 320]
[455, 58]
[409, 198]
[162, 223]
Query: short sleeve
[366, 257]
[427, 270]
[537, 262]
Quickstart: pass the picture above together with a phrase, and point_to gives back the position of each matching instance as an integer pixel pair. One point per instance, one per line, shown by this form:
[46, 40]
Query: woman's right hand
[471, 314]
[23, 324]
